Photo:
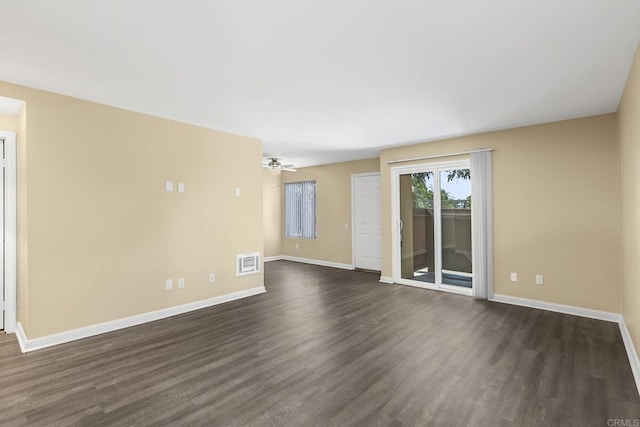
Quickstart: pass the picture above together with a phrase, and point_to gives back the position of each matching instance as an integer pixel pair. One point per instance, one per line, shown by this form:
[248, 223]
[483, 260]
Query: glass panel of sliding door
[417, 242]
[455, 227]
[435, 228]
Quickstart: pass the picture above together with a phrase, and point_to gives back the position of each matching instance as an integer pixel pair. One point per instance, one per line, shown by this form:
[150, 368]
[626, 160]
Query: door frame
[10, 255]
[395, 224]
[353, 211]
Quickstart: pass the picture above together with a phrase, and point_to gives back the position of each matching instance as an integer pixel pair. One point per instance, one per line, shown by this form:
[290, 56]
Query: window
[300, 209]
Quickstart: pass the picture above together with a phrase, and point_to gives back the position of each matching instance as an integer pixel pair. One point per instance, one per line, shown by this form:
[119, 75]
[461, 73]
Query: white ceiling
[321, 81]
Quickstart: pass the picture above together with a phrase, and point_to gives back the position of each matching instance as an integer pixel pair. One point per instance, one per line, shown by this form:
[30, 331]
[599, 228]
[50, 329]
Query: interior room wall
[103, 235]
[629, 139]
[9, 123]
[555, 209]
[272, 214]
[333, 211]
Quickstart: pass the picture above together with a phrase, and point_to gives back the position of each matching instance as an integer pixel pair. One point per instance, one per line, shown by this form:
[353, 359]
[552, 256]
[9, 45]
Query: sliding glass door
[455, 226]
[433, 227]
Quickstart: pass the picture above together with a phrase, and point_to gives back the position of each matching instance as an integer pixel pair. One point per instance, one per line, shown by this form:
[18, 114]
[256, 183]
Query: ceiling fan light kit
[275, 167]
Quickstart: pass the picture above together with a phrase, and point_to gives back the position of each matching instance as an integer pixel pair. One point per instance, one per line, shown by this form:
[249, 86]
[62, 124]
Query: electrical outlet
[212, 278]
[181, 282]
[297, 246]
[181, 187]
[539, 279]
[168, 186]
[168, 284]
[514, 277]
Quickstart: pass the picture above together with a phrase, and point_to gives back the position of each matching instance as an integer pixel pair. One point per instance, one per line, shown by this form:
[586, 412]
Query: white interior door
[366, 221]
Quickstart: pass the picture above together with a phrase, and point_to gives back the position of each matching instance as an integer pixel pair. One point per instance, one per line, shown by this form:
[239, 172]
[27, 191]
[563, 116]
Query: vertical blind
[300, 209]
[482, 224]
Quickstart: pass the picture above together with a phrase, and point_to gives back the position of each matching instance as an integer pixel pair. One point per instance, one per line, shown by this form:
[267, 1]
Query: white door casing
[9, 231]
[366, 227]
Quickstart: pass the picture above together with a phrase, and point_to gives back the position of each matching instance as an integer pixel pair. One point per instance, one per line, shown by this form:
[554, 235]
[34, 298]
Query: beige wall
[555, 207]
[102, 234]
[9, 123]
[272, 214]
[629, 138]
[333, 210]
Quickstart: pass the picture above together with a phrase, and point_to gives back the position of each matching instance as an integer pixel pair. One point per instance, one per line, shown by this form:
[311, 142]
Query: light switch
[181, 283]
[181, 187]
[237, 192]
[168, 186]
[168, 284]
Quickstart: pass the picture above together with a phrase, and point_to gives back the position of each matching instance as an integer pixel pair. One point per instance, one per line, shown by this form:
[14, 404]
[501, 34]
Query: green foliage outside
[423, 195]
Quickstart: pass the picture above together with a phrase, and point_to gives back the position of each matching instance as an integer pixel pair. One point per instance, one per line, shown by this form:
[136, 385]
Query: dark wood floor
[330, 347]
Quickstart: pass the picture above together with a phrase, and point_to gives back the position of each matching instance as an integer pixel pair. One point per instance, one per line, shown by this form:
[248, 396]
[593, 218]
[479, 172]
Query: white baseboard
[631, 352]
[272, 258]
[27, 344]
[386, 279]
[558, 308]
[22, 338]
[318, 262]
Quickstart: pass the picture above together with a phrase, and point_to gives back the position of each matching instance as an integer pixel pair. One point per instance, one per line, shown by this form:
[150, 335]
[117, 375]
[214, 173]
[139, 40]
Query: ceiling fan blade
[288, 169]
[289, 166]
[266, 166]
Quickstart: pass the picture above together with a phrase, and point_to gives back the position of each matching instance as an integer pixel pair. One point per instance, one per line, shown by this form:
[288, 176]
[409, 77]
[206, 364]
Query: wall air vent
[247, 264]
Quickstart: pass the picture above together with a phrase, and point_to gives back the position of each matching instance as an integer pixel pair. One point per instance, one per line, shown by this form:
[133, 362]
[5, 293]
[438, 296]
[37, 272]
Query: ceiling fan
[275, 167]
